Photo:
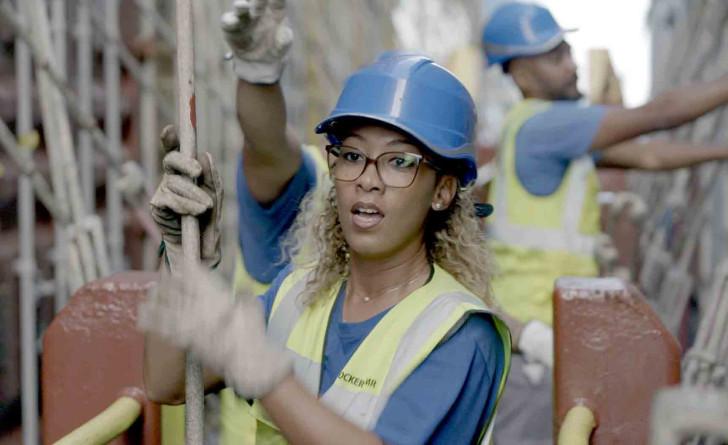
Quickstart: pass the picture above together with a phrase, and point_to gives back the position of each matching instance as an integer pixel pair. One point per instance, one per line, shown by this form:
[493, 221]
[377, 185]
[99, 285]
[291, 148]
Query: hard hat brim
[327, 126]
[500, 54]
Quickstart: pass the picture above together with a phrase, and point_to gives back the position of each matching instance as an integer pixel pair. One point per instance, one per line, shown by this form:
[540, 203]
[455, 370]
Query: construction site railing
[108, 424]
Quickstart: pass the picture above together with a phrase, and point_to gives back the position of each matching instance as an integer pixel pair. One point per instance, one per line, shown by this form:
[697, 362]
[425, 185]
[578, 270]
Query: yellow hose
[577, 427]
[109, 423]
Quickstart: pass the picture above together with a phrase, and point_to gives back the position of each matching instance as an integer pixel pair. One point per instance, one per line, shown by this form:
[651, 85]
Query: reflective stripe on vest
[567, 235]
[401, 340]
[237, 424]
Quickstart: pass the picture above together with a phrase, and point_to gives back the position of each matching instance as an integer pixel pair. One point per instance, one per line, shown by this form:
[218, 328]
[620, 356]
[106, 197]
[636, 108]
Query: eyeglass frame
[420, 160]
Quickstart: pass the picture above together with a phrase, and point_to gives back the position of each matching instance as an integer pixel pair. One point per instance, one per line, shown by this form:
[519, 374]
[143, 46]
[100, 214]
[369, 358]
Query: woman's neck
[382, 283]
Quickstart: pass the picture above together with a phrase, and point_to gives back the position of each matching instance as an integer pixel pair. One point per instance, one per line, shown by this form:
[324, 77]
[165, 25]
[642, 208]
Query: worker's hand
[178, 195]
[537, 343]
[259, 37]
[197, 311]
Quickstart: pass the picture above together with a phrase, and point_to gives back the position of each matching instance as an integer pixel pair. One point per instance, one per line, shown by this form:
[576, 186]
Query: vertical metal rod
[26, 263]
[114, 210]
[149, 124]
[56, 124]
[84, 58]
[190, 227]
[58, 25]
[58, 33]
[202, 71]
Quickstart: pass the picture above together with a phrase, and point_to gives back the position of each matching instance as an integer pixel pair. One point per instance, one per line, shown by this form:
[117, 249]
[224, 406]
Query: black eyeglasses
[396, 169]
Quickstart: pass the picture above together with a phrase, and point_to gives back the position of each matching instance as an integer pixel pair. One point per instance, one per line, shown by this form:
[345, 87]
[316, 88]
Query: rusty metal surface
[92, 354]
[612, 354]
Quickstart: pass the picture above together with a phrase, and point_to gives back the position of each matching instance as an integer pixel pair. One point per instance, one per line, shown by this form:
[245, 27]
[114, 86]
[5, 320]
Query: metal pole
[58, 33]
[26, 264]
[112, 123]
[58, 30]
[84, 57]
[130, 63]
[61, 200]
[190, 227]
[58, 131]
[53, 75]
[27, 167]
[148, 141]
[166, 33]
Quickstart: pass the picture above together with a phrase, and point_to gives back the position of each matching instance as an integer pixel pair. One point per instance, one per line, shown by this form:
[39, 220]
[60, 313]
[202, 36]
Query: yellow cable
[577, 427]
[108, 424]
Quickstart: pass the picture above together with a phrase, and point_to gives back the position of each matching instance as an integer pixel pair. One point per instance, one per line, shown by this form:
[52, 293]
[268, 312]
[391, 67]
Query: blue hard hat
[412, 93]
[520, 29]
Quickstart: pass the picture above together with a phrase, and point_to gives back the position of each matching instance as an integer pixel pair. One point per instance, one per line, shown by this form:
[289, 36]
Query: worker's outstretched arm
[667, 110]
[259, 37]
[660, 154]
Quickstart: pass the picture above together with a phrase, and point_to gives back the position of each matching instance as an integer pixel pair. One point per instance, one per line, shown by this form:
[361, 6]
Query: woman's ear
[445, 190]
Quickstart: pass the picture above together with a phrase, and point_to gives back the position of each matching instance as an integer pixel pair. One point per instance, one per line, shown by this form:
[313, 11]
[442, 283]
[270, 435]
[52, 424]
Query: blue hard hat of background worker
[414, 94]
[519, 29]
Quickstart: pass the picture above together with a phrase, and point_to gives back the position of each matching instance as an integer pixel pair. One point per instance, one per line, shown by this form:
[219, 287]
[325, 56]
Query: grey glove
[537, 343]
[197, 311]
[537, 346]
[259, 37]
[188, 188]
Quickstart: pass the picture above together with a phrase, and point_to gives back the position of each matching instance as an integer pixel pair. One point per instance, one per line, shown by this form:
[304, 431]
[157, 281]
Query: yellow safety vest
[399, 343]
[537, 239]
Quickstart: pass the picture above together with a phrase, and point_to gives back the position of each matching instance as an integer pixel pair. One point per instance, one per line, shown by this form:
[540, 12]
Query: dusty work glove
[188, 188]
[536, 343]
[259, 37]
[197, 311]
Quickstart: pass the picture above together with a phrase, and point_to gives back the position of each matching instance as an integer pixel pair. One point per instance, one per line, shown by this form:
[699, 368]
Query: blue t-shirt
[548, 141]
[442, 400]
[261, 228]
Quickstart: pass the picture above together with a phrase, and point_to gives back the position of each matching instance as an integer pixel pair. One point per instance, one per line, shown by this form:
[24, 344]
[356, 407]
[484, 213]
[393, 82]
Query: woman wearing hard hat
[379, 330]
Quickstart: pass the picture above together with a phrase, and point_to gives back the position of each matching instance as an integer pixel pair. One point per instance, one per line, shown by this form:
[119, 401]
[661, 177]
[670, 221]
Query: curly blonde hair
[454, 238]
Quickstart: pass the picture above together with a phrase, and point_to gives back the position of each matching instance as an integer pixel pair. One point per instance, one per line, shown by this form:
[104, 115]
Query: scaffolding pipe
[148, 139]
[167, 35]
[58, 30]
[26, 263]
[134, 67]
[150, 13]
[130, 63]
[90, 226]
[194, 394]
[27, 167]
[112, 124]
[83, 119]
[84, 85]
[58, 36]
[52, 134]
[58, 131]
[43, 63]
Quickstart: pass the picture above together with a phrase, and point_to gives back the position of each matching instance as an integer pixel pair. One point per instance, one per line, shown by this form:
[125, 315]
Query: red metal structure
[93, 354]
[612, 355]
